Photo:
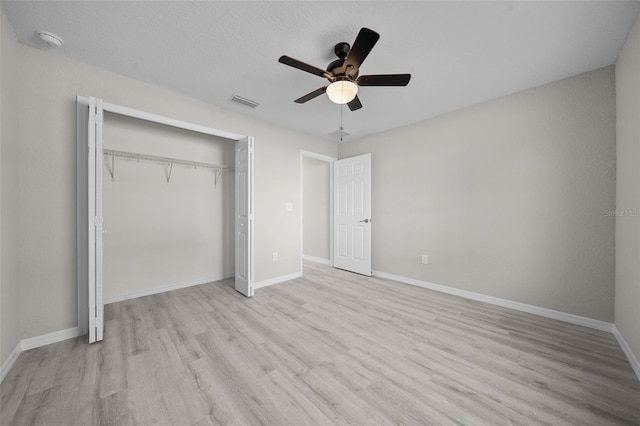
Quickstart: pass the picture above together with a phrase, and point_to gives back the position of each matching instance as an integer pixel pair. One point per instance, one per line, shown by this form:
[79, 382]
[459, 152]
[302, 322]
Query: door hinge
[97, 116]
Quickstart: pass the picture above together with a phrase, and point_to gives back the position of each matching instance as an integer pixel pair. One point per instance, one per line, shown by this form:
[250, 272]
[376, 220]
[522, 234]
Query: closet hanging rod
[137, 156]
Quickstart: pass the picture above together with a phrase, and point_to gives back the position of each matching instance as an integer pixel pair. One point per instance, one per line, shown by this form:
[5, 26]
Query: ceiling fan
[343, 72]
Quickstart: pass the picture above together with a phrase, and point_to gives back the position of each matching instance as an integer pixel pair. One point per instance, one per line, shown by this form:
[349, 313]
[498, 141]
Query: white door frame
[330, 160]
[89, 113]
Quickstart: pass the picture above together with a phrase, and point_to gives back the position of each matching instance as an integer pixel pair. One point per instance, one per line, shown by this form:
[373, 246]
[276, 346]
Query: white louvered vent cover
[339, 134]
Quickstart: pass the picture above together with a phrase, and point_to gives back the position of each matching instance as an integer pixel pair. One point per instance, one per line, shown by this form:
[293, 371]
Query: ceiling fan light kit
[342, 92]
[343, 72]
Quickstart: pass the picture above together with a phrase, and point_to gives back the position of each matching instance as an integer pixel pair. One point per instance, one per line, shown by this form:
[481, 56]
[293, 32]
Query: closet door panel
[244, 216]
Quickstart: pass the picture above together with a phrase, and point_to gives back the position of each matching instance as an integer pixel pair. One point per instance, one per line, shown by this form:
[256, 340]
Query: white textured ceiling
[459, 53]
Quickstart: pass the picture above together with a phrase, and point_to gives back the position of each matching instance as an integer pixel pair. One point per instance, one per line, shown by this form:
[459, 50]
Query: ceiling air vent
[339, 134]
[243, 101]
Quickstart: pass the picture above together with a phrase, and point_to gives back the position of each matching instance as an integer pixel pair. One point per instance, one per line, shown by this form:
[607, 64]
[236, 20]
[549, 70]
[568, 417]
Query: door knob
[365, 220]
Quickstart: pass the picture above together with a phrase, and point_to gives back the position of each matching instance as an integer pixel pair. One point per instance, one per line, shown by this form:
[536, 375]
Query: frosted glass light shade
[342, 92]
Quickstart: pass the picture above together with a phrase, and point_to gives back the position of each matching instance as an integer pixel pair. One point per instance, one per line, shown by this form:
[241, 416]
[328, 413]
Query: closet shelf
[165, 160]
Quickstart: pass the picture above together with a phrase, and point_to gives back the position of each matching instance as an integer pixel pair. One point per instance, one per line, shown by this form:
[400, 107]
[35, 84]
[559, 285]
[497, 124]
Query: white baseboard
[47, 339]
[36, 342]
[156, 290]
[6, 366]
[316, 259]
[627, 351]
[523, 307]
[276, 280]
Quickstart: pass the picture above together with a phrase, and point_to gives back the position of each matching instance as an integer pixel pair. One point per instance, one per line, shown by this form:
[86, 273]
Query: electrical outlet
[425, 259]
[275, 256]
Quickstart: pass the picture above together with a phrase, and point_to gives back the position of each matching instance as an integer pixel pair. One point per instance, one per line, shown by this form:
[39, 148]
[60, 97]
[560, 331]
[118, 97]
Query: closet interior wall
[165, 226]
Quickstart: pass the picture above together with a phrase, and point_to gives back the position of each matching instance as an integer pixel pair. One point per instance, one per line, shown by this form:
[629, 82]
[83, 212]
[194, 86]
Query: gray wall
[627, 300]
[49, 84]
[9, 283]
[507, 198]
[316, 214]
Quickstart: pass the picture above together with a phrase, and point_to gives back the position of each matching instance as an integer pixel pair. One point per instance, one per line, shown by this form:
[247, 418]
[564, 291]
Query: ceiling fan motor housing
[341, 50]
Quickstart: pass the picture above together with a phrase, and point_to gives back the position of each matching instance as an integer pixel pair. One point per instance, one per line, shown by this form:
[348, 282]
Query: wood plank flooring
[329, 348]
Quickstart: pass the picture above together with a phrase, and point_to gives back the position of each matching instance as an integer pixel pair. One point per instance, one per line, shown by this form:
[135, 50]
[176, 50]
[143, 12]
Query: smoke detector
[50, 39]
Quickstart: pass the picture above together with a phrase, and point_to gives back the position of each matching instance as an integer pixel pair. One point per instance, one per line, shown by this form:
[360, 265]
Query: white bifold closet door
[90, 112]
[244, 215]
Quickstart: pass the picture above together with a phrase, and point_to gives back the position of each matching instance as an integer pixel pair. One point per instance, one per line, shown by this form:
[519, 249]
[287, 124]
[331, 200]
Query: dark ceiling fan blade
[302, 66]
[384, 80]
[311, 95]
[361, 47]
[355, 104]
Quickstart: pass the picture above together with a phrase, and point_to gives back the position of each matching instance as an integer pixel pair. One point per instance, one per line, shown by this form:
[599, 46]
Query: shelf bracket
[170, 170]
[112, 170]
[218, 174]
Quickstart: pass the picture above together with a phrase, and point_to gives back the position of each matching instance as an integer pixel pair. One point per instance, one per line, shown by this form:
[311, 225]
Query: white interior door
[244, 216]
[352, 214]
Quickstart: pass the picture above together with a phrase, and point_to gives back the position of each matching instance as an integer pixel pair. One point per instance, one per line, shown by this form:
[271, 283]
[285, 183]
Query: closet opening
[168, 208]
[161, 204]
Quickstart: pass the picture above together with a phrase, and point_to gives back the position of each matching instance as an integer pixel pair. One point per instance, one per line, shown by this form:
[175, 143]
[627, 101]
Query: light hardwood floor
[329, 348]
